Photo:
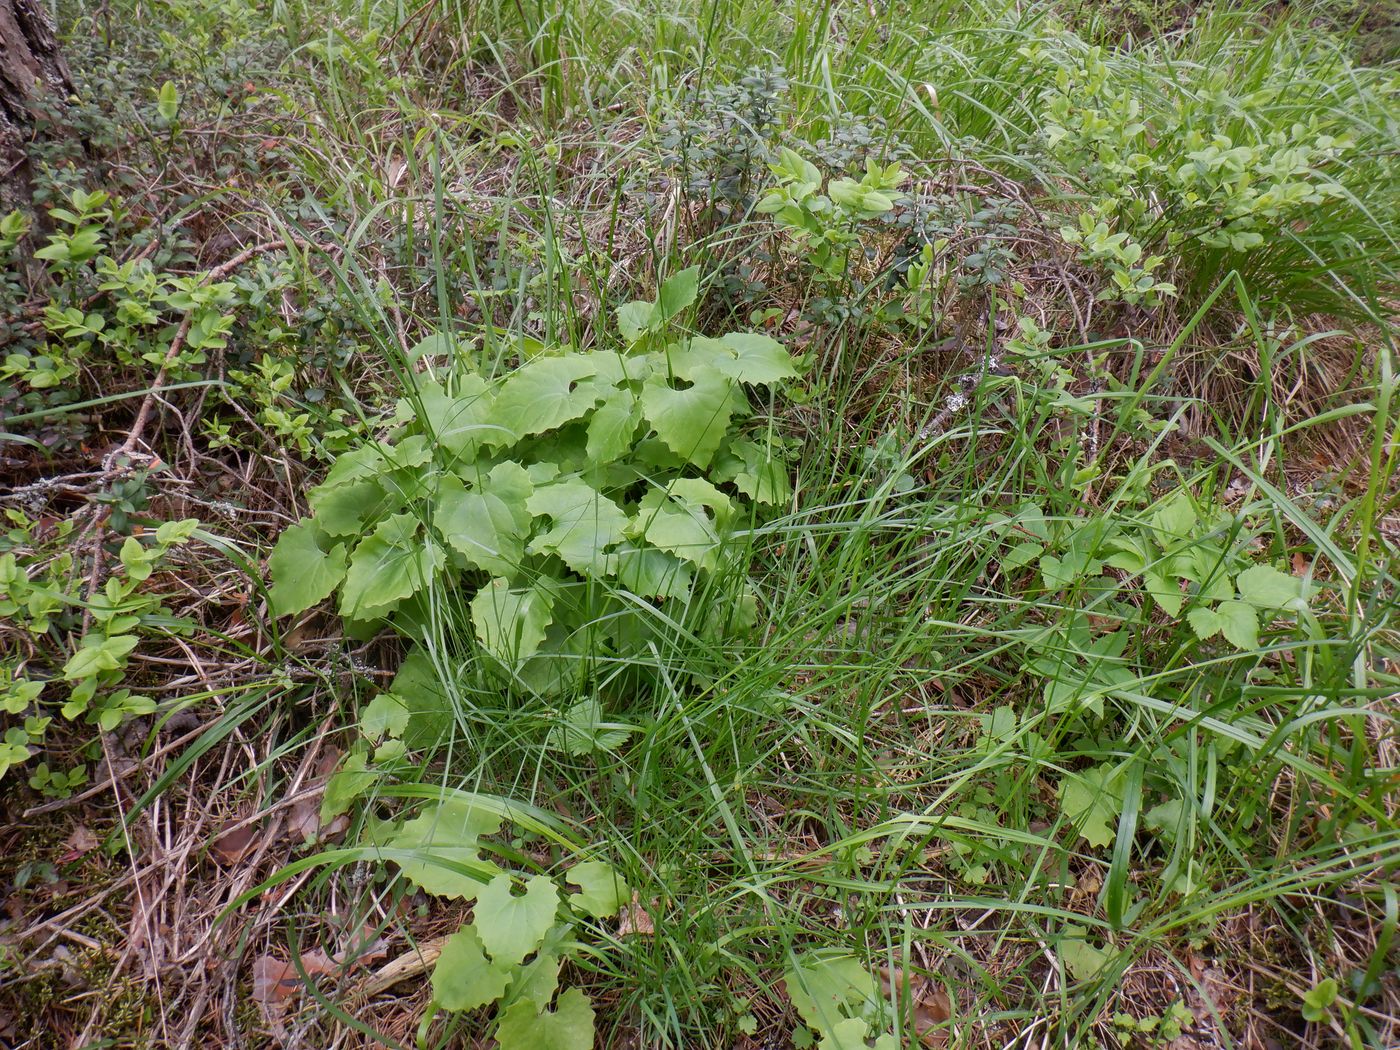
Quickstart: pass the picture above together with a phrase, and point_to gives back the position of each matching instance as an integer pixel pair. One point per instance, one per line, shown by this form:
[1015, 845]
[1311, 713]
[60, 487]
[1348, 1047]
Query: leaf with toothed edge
[302, 572]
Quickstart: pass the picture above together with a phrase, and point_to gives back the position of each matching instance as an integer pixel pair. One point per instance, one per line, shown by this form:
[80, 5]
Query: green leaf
[347, 784]
[824, 989]
[748, 357]
[677, 292]
[168, 102]
[1265, 587]
[795, 168]
[449, 831]
[1130, 556]
[697, 492]
[463, 978]
[461, 423]
[568, 1027]
[651, 573]
[692, 422]
[512, 927]
[302, 573]
[854, 1034]
[1002, 724]
[418, 690]
[1022, 554]
[385, 715]
[1208, 570]
[670, 521]
[757, 471]
[169, 533]
[1092, 800]
[634, 319]
[1175, 520]
[388, 566]
[544, 394]
[489, 524]
[584, 524]
[510, 623]
[582, 729]
[1239, 623]
[1165, 591]
[1204, 621]
[613, 427]
[537, 981]
[97, 653]
[1319, 999]
[1082, 959]
[365, 462]
[602, 893]
[614, 369]
[138, 560]
[347, 510]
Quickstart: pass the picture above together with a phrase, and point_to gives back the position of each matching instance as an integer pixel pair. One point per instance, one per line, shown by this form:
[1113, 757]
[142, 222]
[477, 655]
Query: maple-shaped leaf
[464, 979]
[448, 832]
[1092, 800]
[489, 523]
[569, 1026]
[584, 523]
[1237, 621]
[510, 622]
[544, 394]
[692, 422]
[582, 729]
[302, 572]
[512, 927]
[389, 565]
[602, 893]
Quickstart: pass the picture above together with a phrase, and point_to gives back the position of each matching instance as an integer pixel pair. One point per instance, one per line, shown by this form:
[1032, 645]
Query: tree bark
[31, 67]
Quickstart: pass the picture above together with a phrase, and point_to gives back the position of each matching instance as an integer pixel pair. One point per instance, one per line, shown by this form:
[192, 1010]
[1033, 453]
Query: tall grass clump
[808, 639]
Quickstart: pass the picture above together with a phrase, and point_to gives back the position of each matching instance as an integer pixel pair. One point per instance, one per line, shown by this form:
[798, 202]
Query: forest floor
[703, 524]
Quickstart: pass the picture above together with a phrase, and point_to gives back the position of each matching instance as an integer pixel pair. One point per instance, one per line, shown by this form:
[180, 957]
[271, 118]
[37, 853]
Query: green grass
[1031, 782]
[838, 780]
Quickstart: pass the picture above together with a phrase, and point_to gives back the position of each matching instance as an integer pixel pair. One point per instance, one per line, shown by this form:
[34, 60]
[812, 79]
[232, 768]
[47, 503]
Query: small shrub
[1234, 166]
[722, 138]
[76, 646]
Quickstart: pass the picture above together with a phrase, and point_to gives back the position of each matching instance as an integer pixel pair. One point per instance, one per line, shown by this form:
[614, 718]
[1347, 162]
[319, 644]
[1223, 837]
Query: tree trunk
[31, 67]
